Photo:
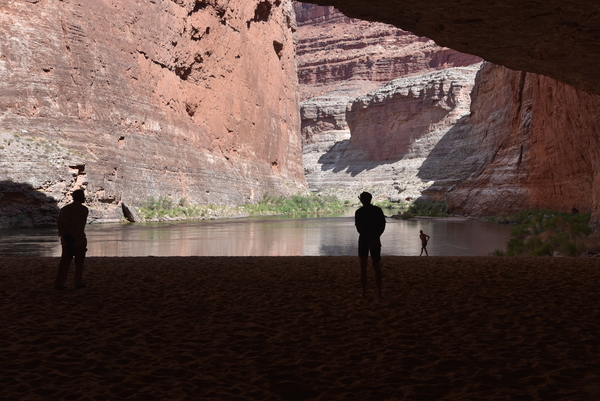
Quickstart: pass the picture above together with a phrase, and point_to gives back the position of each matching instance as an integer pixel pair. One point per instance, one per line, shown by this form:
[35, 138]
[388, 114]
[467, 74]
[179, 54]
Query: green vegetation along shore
[548, 233]
[426, 209]
[165, 208]
[536, 232]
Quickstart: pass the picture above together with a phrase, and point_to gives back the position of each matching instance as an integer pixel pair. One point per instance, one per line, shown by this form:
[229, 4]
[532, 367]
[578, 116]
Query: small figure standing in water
[424, 239]
[71, 230]
[370, 224]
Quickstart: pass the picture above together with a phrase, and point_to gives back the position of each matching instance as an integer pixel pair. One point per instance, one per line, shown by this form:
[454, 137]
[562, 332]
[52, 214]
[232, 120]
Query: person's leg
[426, 253]
[79, 262]
[421, 254]
[377, 269]
[63, 268]
[363, 256]
[363, 275]
[376, 257]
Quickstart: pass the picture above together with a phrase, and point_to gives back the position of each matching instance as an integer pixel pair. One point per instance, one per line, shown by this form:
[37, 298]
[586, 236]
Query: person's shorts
[374, 248]
[71, 251]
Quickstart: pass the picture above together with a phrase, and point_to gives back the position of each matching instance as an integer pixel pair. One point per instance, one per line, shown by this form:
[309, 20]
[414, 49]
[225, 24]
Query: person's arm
[381, 222]
[358, 221]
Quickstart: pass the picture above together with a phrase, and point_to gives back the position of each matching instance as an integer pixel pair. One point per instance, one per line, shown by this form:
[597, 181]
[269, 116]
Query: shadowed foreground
[293, 328]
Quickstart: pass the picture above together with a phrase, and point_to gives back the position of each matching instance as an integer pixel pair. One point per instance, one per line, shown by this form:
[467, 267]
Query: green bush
[387, 204]
[297, 205]
[164, 207]
[545, 233]
[429, 209]
[497, 252]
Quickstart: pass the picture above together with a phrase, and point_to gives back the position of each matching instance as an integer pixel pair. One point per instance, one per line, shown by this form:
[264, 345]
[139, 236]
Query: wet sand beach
[294, 328]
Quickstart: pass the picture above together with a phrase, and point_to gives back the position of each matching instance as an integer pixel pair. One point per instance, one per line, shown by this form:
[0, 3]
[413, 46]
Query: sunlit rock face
[553, 37]
[392, 132]
[132, 100]
[341, 59]
[530, 143]
[336, 53]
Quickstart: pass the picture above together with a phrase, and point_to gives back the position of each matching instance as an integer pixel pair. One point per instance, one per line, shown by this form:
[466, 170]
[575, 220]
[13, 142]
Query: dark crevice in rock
[200, 5]
[196, 35]
[261, 13]
[79, 167]
[183, 72]
[191, 109]
[278, 47]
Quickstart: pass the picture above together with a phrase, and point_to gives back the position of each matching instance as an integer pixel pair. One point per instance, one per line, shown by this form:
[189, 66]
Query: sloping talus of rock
[132, 100]
[392, 131]
[555, 38]
[530, 142]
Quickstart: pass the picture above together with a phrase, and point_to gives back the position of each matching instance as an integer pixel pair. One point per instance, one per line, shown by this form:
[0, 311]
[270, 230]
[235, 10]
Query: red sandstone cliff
[556, 38]
[529, 141]
[132, 100]
[533, 144]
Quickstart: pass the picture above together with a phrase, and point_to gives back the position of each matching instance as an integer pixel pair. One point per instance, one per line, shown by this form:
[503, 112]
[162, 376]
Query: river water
[332, 236]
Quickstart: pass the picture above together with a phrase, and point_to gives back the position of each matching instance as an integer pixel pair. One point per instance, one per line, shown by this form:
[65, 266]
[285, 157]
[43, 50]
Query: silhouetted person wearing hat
[370, 224]
[71, 230]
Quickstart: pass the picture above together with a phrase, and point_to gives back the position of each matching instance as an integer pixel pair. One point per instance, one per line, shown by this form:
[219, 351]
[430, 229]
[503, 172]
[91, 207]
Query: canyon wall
[531, 143]
[341, 59]
[528, 141]
[555, 38]
[391, 132]
[339, 54]
[131, 100]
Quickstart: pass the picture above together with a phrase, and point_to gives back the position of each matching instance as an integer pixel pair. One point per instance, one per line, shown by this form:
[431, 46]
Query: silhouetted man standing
[71, 230]
[370, 224]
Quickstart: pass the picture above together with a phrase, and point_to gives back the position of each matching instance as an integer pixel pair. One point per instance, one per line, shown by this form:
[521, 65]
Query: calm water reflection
[264, 237]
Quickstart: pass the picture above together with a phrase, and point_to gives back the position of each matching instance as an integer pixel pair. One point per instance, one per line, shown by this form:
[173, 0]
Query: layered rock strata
[553, 38]
[391, 132]
[132, 100]
[341, 59]
[530, 142]
[334, 50]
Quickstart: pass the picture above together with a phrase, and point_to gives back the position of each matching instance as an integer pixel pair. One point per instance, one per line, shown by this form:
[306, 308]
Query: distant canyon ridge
[216, 102]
